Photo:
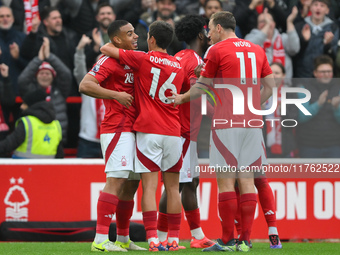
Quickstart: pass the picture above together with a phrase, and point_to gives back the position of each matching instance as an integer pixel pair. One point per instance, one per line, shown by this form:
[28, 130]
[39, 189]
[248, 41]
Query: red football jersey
[111, 75]
[156, 74]
[238, 64]
[190, 117]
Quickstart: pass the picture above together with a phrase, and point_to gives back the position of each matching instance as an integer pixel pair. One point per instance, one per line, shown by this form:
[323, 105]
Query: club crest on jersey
[124, 161]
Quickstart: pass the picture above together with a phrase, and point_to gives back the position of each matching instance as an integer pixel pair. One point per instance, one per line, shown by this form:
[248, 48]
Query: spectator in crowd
[10, 42]
[228, 5]
[279, 140]
[79, 15]
[37, 133]
[148, 6]
[279, 47]
[91, 112]
[105, 15]
[318, 35]
[129, 10]
[210, 7]
[62, 40]
[166, 11]
[318, 135]
[246, 13]
[24, 11]
[304, 9]
[7, 97]
[63, 43]
[213, 6]
[187, 6]
[47, 71]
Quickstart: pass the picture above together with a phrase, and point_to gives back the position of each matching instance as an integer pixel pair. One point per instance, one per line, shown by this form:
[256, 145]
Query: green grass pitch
[83, 248]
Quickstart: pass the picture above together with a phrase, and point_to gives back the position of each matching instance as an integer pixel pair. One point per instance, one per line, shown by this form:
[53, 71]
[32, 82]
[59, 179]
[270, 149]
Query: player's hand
[4, 70]
[14, 50]
[322, 98]
[176, 99]
[306, 33]
[124, 99]
[198, 70]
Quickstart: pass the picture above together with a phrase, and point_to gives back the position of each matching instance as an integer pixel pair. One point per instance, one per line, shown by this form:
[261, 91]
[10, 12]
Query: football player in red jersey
[235, 144]
[191, 30]
[159, 146]
[113, 82]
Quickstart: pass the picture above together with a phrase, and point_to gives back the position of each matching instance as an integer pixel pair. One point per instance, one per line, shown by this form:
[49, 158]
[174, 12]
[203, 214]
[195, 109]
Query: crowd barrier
[66, 190]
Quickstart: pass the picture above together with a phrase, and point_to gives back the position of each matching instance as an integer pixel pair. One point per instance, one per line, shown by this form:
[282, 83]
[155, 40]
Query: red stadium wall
[67, 190]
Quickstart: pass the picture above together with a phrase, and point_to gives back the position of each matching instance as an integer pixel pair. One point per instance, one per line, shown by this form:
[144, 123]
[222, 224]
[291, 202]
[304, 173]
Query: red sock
[227, 208]
[238, 214]
[247, 205]
[123, 215]
[267, 200]
[150, 224]
[174, 224]
[106, 207]
[162, 223]
[193, 218]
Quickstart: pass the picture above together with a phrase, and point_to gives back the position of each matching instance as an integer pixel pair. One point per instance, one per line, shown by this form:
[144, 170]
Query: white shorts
[158, 153]
[190, 161]
[236, 147]
[118, 152]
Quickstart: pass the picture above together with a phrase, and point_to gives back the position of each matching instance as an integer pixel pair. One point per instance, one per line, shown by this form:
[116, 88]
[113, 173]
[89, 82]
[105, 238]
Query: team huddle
[145, 132]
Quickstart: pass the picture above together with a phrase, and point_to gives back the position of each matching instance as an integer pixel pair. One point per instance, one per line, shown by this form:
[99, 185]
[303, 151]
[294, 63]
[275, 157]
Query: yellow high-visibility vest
[41, 139]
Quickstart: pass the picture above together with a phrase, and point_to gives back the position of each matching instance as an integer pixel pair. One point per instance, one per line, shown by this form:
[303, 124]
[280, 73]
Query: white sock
[272, 231]
[162, 236]
[197, 233]
[171, 239]
[99, 238]
[153, 239]
[123, 239]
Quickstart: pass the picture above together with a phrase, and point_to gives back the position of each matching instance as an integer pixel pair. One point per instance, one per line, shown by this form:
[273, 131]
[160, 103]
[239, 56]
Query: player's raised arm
[90, 87]
[267, 89]
[110, 50]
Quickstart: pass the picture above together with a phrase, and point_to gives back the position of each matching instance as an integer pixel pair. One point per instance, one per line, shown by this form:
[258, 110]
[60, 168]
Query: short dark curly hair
[188, 28]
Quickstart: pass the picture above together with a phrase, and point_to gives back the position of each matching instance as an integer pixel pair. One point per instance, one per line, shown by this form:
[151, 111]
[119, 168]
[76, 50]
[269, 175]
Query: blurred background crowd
[51, 45]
